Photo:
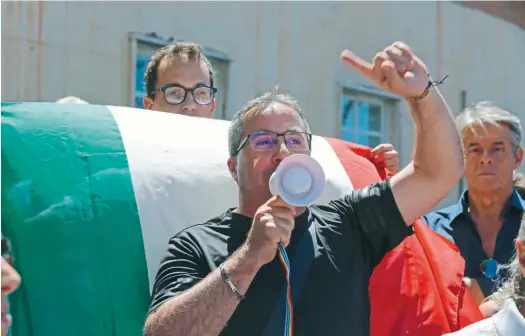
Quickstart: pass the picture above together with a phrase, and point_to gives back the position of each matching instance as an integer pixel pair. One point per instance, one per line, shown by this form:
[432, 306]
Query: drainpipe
[438, 40]
[39, 51]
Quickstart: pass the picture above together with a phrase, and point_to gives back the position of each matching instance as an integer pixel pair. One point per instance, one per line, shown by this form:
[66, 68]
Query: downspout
[39, 51]
[438, 40]
[132, 66]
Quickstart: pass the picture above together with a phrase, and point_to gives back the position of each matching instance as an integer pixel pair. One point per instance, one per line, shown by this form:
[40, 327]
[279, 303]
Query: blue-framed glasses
[262, 141]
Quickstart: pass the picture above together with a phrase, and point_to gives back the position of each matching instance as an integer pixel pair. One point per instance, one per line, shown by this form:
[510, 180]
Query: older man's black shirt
[352, 236]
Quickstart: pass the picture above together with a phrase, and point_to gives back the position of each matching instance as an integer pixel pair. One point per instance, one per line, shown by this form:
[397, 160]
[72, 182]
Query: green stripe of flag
[68, 200]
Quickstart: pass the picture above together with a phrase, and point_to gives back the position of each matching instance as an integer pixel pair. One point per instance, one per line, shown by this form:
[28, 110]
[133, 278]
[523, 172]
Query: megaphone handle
[288, 322]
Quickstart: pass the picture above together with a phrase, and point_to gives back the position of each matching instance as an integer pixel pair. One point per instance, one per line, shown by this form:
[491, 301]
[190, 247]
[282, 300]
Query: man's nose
[282, 152]
[486, 158]
[189, 105]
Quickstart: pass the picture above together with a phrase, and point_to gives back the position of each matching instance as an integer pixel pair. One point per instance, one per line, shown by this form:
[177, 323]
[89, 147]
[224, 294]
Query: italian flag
[91, 195]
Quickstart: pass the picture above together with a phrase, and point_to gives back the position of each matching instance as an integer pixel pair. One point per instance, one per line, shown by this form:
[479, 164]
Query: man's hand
[474, 289]
[386, 154]
[273, 223]
[395, 70]
[489, 307]
[206, 307]
[438, 161]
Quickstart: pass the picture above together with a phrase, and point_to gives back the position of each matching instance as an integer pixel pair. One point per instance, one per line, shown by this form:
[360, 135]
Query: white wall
[54, 49]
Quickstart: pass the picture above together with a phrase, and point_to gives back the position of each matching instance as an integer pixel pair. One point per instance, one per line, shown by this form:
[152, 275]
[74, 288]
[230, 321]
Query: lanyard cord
[288, 322]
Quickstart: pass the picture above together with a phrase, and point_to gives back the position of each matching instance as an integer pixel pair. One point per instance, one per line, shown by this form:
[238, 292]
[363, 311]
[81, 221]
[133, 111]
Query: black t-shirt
[352, 236]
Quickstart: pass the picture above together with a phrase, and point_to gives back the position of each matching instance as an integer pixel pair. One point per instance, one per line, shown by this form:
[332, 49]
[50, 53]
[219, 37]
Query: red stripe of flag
[417, 288]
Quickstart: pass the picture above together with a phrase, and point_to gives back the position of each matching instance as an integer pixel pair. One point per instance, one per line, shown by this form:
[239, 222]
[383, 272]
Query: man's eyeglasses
[7, 254]
[262, 141]
[175, 94]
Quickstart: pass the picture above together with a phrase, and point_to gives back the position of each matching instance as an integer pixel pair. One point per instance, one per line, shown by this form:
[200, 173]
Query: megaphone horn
[299, 180]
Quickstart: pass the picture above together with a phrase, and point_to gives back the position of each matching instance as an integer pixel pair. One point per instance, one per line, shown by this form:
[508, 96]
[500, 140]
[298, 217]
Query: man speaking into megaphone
[277, 264]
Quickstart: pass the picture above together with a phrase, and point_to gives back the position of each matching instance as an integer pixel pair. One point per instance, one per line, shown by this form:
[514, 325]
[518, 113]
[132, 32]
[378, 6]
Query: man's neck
[489, 204]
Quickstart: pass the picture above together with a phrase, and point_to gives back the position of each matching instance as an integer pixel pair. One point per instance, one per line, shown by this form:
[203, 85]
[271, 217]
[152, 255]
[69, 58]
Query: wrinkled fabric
[417, 289]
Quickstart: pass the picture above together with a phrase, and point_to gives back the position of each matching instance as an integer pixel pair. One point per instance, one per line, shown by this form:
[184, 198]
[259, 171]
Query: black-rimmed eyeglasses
[175, 94]
[262, 141]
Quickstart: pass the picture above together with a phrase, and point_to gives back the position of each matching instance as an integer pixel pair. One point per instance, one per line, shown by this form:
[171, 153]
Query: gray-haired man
[486, 220]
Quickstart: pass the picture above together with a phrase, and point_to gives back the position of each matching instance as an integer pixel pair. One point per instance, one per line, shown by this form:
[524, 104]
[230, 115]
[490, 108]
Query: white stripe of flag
[179, 173]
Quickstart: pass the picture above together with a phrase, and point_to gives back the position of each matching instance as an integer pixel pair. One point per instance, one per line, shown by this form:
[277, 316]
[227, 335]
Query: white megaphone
[299, 180]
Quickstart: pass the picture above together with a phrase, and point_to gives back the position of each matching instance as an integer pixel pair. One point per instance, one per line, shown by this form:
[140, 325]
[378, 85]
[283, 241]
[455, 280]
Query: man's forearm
[438, 149]
[206, 307]
[438, 159]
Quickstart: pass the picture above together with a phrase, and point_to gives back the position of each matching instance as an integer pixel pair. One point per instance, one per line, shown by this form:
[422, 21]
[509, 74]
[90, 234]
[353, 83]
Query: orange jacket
[417, 289]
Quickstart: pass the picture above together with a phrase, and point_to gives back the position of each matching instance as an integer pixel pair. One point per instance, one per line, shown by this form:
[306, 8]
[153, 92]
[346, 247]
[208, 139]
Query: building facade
[98, 51]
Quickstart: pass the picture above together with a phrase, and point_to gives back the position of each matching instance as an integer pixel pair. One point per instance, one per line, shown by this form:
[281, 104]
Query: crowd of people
[224, 277]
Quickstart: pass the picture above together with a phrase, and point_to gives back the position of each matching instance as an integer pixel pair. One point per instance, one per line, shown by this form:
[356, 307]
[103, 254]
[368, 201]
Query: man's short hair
[180, 50]
[261, 103]
[484, 113]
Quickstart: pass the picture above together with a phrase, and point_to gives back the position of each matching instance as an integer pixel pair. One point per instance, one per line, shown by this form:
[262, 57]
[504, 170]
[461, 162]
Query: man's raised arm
[438, 160]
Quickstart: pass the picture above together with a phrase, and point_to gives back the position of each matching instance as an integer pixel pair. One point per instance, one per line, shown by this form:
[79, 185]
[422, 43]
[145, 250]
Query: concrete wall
[54, 49]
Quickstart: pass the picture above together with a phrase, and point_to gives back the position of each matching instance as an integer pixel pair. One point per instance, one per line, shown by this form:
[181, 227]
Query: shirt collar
[509, 320]
[461, 206]
[517, 201]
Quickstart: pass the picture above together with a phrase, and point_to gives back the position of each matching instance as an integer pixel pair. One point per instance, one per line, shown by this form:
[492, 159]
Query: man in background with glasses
[223, 276]
[180, 79]
[486, 220]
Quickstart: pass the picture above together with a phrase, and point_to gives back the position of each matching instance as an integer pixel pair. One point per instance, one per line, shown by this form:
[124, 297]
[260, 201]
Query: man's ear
[148, 102]
[519, 157]
[232, 167]
[213, 104]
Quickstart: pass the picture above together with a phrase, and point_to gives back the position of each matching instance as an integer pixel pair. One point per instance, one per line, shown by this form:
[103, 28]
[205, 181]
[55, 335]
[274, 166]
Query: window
[363, 120]
[140, 90]
[145, 47]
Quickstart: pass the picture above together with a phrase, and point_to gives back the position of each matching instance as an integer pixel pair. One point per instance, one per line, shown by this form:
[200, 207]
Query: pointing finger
[358, 64]
[379, 58]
